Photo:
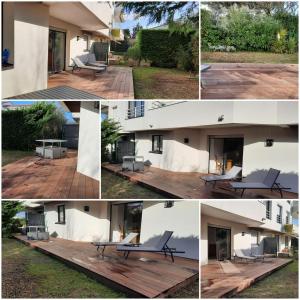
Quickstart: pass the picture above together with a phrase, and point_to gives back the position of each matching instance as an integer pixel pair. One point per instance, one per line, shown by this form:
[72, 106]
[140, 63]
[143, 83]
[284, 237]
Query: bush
[160, 46]
[20, 128]
[183, 59]
[134, 53]
[247, 31]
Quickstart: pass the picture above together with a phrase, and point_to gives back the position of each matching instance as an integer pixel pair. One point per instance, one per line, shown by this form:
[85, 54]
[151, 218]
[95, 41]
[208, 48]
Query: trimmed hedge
[21, 127]
[160, 46]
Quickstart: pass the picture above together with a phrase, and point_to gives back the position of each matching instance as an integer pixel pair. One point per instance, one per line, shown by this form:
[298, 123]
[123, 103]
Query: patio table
[37, 232]
[52, 142]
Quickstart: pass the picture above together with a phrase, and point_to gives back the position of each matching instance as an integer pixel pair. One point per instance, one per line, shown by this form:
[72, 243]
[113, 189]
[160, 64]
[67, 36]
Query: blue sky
[131, 21]
[68, 115]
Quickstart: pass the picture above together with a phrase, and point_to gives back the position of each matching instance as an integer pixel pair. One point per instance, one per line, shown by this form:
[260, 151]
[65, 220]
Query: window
[269, 210]
[61, 214]
[135, 109]
[286, 241]
[157, 144]
[287, 218]
[279, 214]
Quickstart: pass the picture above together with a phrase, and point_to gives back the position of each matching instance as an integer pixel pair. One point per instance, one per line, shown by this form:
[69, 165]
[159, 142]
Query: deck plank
[188, 185]
[250, 81]
[144, 274]
[37, 178]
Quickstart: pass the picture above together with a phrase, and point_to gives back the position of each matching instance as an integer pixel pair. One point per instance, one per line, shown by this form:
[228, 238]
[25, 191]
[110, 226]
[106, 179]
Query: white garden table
[52, 142]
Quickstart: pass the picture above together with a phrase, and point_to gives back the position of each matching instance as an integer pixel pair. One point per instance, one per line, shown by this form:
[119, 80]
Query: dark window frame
[269, 210]
[59, 207]
[279, 215]
[160, 144]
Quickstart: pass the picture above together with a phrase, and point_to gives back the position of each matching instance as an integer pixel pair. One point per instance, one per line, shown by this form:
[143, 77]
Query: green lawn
[9, 156]
[27, 273]
[249, 57]
[281, 284]
[163, 83]
[115, 187]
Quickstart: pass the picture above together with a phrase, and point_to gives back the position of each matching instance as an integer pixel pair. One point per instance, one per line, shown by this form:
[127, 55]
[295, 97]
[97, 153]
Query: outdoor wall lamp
[269, 142]
[186, 140]
[243, 233]
[150, 125]
[221, 118]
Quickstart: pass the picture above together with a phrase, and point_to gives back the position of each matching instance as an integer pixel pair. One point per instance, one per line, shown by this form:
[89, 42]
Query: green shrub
[160, 46]
[134, 53]
[20, 128]
[291, 45]
[183, 58]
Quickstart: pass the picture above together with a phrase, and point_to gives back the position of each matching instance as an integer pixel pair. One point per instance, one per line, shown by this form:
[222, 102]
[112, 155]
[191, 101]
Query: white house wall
[182, 218]
[80, 225]
[89, 139]
[196, 114]
[31, 34]
[257, 159]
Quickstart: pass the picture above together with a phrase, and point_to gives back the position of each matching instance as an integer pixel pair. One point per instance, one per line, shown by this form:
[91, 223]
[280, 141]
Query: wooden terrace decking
[250, 81]
[184, 185]
[115, 83]
[38, 178]
[219, 281]
[141, 275]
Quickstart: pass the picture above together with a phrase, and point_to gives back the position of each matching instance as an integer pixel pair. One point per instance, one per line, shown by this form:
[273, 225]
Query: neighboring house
[211, 137]
[43, 37]
[110, 221]
[254, 226]
[87, 114]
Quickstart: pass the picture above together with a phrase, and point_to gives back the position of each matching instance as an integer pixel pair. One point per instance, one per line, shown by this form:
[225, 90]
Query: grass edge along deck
[246, 283]
[104, 280]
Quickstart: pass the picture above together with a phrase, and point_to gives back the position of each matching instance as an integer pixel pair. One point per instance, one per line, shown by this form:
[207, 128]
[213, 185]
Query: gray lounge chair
[92, 61]
[125, 241]
[269, 183]
[230, 175]
[243, 254]
[80, 65]
[159, 247]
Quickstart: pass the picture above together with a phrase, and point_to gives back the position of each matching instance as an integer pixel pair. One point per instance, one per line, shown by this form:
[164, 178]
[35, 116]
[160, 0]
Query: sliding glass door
[219, 243]
[56, 51]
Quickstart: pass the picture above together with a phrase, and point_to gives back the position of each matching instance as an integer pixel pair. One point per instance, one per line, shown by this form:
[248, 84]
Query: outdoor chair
[91, 61]
[158, 247]
[230, 175]
[80, 65]
[125, 241]
[133, 163]
[244, 255]
[269, 183]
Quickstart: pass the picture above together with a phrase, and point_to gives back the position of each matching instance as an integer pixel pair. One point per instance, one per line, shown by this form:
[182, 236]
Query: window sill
[156, 152]
[7, 67]
[61, 223]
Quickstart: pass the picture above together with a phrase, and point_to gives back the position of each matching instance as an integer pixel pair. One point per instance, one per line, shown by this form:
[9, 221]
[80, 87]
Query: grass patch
[249, 57]
[163, 83]
[115, 187]
[280, 284]
[9, 156]
[27, 273]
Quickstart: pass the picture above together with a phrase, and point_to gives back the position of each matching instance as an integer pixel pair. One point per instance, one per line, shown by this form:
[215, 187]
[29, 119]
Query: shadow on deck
[188, 185]
[141, 275]
[38, 178]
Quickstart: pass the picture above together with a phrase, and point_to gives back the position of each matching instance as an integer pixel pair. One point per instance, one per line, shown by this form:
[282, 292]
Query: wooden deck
[250, 81]
[38, 178]
[185, 185]
[220, 282]
[115, 83]
[141, 275]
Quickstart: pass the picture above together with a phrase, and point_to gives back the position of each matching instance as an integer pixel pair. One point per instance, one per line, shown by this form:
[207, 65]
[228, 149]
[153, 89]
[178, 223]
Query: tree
[9, 211]
[135, 30]
[110, 134]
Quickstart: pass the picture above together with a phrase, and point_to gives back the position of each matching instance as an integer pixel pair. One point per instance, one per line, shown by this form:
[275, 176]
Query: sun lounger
[242, 254]
[92, 61]
[125, 241]
[269, 183]
[80, 65]
[230, 175]
[159, 247]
